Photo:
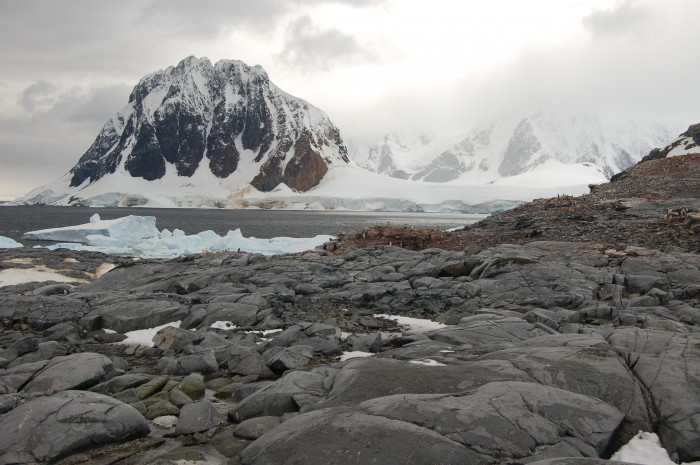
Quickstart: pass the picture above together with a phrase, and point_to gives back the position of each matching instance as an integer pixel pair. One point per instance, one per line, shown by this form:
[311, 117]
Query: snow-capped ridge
[512, 146]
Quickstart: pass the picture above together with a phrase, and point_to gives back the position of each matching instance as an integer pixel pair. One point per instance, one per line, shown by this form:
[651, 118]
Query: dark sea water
[15, 221]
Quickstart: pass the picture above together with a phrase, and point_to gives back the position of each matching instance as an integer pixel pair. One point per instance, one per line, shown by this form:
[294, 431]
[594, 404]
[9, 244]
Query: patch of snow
[40, 273]
[223, 325]
[413, 325]
[265, 332]
[7, 243]
[427, 362]
[104, 268]
[645, 449]
[20, 261]
[685, 147]
[555, 174]
[354, 354]
[109, 331]
[144, 337]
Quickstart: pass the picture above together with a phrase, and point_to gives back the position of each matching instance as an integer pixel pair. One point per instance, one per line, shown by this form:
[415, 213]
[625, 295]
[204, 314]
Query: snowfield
[347, 187]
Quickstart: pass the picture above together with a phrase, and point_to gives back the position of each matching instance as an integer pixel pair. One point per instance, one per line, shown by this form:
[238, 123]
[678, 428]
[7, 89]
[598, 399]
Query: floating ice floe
[645, 449]
[138, 236]
[7, 243]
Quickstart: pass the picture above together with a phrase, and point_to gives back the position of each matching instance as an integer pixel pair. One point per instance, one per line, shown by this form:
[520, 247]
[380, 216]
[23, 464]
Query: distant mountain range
[223, 135]
[511, 147]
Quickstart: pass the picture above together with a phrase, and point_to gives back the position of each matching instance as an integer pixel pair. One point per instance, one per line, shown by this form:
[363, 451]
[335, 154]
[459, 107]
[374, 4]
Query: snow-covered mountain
[512, 147]
[687, 143]
[200, 128]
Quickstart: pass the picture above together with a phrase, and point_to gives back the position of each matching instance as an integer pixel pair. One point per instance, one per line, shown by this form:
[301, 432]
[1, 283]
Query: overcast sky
[375, 66]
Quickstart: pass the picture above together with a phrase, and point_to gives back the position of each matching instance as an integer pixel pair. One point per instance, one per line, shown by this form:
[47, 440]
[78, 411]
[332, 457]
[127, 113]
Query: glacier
[138, 236]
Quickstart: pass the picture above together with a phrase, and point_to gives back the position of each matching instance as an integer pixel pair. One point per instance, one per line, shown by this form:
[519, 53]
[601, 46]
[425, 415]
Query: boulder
[339, 437]
[48, 428]
[197, 417]
[256, 427]
[290, 358]
[75, 371]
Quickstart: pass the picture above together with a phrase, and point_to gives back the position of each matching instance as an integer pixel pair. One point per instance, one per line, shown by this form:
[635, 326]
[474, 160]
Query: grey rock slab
[256, 427]
[346, 437]
[242, 360]
[365, 342]
[20, 347]
[367, 378]
[48, 428]
[119, 383]
[197, 417]
[42, 312]
[45, 351]
[203, 363]
[291, 358]
[175, 339]
[12, 379]
[487, 335]
[594, 370]
[295, 390]
[75, 371]
[124, 312]
[509, 419]
[668, 364]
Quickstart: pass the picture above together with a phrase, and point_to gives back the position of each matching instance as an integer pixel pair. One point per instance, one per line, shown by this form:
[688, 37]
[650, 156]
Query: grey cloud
[311, 47]
[44, 144]
[615, 77]
[38, 94]
[188, 17]
[626, 17]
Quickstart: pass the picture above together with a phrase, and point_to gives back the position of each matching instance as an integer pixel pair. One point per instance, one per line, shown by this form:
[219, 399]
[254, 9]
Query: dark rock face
[445, 167]
[197, 110]
[521, 147]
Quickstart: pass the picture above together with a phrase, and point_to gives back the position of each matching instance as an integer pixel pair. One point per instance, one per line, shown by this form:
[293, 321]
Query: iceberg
[138, 236]
[7, 243]
[126, 230]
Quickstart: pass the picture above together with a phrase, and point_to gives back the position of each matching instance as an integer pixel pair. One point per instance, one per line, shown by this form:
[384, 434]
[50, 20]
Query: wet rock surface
[546, 352]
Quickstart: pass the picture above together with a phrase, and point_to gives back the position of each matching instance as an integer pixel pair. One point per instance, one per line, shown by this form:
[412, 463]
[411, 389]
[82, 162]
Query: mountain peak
[227, 120]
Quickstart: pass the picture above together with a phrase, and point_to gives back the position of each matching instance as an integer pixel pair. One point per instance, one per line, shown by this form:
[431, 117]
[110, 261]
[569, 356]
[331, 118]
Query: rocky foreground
[549, 352]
